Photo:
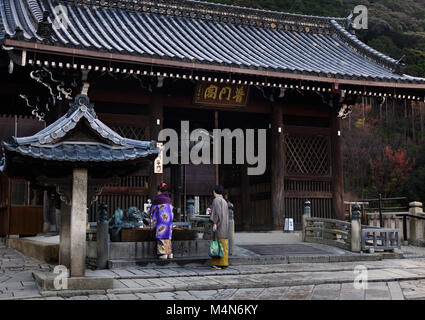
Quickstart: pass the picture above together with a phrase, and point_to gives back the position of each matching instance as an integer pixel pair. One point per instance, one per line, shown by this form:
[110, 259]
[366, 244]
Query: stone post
[231, 228]
[307, 214]
[102, 237]
[65, 236]
[190, 208]
[356, 229]
[416, 225]
[79, 223]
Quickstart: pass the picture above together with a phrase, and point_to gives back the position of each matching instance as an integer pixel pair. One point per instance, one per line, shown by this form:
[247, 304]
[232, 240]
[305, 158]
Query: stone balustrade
[415, 228]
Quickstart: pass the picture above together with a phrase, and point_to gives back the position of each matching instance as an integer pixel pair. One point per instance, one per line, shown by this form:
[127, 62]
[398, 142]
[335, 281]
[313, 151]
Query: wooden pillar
[245, 198]
[65, 236]
[337, 170]
[176, 183]
[217, 168]
[277, 167]
[49, 212]
[52, 213]
[46, 212]
[79, 222]
[156, 123]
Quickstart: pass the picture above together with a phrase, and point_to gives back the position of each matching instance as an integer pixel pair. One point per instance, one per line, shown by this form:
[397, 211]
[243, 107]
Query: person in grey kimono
[220, 219]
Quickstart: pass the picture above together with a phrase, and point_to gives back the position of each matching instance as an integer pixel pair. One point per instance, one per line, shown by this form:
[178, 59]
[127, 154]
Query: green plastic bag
[216, 249]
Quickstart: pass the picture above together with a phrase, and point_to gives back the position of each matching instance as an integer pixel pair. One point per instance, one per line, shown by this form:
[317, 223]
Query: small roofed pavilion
[77, 154]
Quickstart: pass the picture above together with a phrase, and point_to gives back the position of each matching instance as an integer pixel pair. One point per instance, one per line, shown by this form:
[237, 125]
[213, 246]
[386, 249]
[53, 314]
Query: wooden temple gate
[225, 67]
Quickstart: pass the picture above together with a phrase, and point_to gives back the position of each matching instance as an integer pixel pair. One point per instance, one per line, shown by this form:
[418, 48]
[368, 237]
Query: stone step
[154, 263]
[239, 260]
[258, 280]
[43, 251]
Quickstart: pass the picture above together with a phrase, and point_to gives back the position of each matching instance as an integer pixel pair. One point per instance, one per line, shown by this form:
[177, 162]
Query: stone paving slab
[395, 291]
[184, 295]
[164, 296]
[98, 297]
[378, 292]
[247, 294]
[203, 294]
[298, 293]
[394, 279]
[176, 283]
[349, 292]
[145, 296]
[273, 293]
[326, 292]
[127, 297]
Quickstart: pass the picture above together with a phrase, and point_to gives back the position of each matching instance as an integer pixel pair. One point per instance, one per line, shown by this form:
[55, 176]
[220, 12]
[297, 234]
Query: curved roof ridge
[81, 108]
[359, 45]
[250, 9]
[45, 144]
[214, 12]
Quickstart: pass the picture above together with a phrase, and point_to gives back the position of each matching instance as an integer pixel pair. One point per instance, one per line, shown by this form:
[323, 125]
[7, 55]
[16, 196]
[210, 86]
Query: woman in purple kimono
[162, 222]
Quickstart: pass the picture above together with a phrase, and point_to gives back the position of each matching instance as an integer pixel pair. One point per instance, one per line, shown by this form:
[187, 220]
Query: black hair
[163, 187]
[218, 189]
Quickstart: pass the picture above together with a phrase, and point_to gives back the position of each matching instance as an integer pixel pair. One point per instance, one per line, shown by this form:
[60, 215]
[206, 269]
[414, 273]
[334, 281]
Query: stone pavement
[269, 237]
[16, 274]
[394, 279]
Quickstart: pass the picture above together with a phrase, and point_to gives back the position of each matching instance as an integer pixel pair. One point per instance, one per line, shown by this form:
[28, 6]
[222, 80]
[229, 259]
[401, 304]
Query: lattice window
[307, 155]
[128, 132]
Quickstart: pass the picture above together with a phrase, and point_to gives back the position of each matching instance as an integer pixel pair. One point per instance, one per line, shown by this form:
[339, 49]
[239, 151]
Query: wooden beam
[186, 101]
[277, 167]
[121, 191]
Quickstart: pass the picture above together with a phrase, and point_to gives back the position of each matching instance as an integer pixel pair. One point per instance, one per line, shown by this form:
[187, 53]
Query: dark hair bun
[163, 187]
[218, 190]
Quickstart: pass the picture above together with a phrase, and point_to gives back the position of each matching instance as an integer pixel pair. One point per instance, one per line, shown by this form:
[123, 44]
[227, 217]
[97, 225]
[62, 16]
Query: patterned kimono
[162, 222]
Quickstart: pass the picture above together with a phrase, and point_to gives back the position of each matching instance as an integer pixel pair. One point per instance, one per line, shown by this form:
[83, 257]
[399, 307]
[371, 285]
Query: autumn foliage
[391, 169]
[384, 150]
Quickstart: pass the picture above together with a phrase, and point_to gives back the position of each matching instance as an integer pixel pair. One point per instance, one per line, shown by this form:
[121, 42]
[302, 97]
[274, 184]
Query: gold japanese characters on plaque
[159, 161]
[228, 95]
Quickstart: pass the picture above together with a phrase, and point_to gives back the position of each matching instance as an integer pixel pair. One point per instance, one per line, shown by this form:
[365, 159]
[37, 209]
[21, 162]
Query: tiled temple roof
[208, 34]
[53, 142]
